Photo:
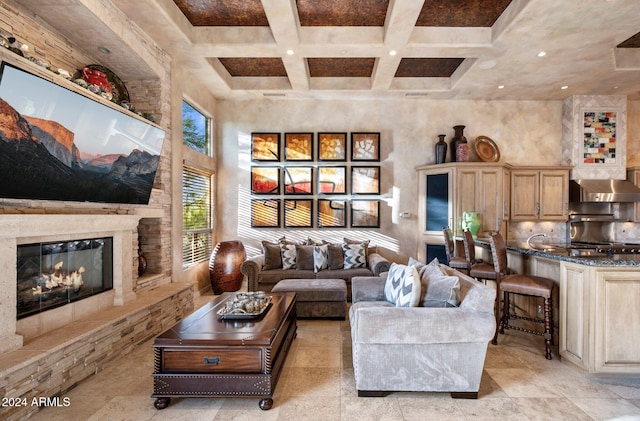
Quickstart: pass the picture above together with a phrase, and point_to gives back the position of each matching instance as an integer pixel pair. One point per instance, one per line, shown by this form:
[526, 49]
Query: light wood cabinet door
[574, 313]
[525, 195]
[490, 198]
[466, 194]
[554, 195]
[634, 176]
[616, 323]
[540, 194]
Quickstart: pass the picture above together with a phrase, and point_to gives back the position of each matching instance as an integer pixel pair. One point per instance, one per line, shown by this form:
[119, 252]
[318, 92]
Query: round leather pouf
[224, 266]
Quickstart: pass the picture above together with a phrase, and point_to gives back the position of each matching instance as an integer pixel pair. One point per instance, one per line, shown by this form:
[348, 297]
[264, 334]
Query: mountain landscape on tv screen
[39, 160]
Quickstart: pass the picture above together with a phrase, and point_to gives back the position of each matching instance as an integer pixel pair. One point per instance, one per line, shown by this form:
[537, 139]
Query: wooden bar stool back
[528, 285]
[455, 261]
[477, 268]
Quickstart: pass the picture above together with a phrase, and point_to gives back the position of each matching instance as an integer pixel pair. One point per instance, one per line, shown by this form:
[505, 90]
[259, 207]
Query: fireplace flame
[58, 279]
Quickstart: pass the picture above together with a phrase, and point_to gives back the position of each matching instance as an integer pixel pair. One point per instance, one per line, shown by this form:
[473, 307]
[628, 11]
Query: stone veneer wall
[148, 96]
[54, 364]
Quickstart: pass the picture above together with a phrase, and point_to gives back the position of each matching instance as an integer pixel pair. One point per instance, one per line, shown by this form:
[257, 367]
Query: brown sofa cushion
[304, 257]
[272, 256]
[336, 257]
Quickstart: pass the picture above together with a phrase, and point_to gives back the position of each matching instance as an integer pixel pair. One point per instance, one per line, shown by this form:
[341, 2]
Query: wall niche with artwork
[594, 136]
[324, 180]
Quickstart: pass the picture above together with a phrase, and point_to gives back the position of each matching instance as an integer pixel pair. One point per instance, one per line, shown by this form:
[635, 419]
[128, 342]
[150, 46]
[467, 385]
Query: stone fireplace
[54, 274]
[21, 232]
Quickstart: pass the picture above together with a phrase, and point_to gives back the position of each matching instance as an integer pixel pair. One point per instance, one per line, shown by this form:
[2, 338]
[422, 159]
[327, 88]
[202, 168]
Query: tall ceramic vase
[441, 149]
[471, 221]
[458, 139]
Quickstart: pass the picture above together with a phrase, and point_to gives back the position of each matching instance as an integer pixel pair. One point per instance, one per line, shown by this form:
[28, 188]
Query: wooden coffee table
[204, 356]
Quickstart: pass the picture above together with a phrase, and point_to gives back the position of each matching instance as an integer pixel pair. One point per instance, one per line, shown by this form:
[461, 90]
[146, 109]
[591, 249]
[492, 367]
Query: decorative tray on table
[245, 306]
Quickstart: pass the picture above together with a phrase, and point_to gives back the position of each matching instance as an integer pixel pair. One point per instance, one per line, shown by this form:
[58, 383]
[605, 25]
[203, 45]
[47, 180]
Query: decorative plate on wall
[486, 149]
[119, 91]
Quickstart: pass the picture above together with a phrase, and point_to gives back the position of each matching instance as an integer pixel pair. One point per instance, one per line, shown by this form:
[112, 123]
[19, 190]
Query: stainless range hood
[610, 191]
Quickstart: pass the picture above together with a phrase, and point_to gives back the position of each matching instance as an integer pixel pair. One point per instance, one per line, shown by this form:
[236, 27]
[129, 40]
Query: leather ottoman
[317, 298]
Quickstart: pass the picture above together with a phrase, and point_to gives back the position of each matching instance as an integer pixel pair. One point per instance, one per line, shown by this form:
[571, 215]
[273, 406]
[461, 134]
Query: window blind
[196, 215]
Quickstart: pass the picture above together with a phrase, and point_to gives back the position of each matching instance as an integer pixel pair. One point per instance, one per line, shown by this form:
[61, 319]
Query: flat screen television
[56, 144]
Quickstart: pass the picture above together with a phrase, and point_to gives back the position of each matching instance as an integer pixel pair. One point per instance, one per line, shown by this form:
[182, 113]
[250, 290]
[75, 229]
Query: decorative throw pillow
[288, 252]
[272, 256]
[393, 284]
[409, 293]
[320, 258]
[304, 257]
[420, 267]
[336, 256]
[355, 256]
[403, 286]
[364, 243]
[442, 290]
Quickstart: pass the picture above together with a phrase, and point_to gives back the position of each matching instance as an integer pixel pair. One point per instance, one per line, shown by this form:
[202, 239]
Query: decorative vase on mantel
[441, 149]
[458, 139]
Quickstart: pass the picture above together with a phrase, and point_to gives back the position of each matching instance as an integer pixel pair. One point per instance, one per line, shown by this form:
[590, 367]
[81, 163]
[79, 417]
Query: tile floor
[317, 384]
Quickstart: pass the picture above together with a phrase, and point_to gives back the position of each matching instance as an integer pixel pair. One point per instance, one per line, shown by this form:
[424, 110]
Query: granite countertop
[562, 252]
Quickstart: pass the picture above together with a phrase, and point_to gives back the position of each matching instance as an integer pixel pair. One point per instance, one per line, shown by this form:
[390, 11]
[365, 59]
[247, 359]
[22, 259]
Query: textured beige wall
[527, 133]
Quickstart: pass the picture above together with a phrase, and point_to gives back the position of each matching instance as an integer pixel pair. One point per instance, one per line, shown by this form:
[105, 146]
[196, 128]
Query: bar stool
[528, 285]
[455, 262]
[477, 269]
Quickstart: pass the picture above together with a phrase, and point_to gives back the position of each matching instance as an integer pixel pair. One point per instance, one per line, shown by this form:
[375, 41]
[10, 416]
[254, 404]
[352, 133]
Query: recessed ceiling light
[564, 87]
[104, 50]
[393, 52]
[542, 53]
[487, 64]
[500, 86]
[290, 52]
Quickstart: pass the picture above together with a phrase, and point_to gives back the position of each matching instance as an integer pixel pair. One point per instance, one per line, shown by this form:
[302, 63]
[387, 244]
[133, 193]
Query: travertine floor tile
[317, 383]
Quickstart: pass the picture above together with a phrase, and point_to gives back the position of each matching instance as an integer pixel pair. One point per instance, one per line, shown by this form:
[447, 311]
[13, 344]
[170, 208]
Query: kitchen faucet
[531, 237]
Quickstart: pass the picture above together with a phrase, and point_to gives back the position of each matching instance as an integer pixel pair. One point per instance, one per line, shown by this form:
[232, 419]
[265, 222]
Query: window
[196, 216]
[197, 189]
[195, 129]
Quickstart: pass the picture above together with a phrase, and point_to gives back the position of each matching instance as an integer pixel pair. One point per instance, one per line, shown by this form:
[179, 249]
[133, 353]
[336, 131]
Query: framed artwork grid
[298, 213]
[332, 146]
[365, 147]
[298, 146]
[365, 213]
[332, 213]
[365, 180]
[265, 213]
[265, 147]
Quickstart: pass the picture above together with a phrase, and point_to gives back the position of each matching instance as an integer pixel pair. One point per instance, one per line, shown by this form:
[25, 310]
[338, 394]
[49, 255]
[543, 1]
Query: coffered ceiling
[440, 49]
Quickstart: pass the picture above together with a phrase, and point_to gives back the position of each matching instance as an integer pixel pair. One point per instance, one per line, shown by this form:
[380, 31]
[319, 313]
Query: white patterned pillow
[354, 256]
[393, 283]
[403, 286]
[288, 256]
[320, 258]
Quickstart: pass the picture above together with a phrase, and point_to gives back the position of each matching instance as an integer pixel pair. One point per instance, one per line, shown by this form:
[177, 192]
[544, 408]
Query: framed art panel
[265, 147]
[265, 213]
[265, 180]
[332, 213]
[298, 180]
[332, 180]
[365, 180]
[332, 146]
[298, 146]
[365, 147]
[365, 213]
[298, 213]
[599, 133]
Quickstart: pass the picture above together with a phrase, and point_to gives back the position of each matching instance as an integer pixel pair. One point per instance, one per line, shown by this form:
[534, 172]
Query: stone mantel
[30, 228]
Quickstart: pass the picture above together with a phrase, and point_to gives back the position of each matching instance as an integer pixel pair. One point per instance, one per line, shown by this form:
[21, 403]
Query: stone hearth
[25, 229]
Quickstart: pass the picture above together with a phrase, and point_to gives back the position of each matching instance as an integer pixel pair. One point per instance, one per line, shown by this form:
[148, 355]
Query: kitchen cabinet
[599, 330]
[481, 189]
[539, 193]
[445, 191]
